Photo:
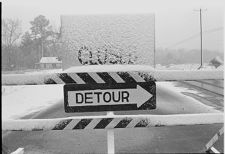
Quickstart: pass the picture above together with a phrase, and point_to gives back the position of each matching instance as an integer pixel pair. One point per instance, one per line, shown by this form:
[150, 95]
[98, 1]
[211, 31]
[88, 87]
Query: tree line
[23, 50]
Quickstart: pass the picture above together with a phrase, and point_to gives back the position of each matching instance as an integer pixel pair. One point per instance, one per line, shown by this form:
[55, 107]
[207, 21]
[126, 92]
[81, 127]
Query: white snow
[31, 71]
[170, 86]
[152, 120]
[111, 68]
[159, 75]
[206, 66]
[172, 100]
[10, 89]
[186, 101]
[44, 71]
[121, 34]
[18, 151]
[50, 60]
[19, 101]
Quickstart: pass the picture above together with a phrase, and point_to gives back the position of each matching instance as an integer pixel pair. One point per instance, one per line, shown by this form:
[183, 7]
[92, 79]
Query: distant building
[49, 63]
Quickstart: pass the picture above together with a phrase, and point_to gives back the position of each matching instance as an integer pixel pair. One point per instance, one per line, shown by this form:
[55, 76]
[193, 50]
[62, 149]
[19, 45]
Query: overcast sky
[176, 20]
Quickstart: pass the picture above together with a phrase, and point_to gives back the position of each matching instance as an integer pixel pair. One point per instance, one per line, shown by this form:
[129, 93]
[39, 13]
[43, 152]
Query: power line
[195, 36]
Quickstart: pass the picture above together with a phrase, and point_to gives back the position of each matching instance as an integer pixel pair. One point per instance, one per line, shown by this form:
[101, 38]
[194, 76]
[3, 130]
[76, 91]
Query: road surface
[201, 97]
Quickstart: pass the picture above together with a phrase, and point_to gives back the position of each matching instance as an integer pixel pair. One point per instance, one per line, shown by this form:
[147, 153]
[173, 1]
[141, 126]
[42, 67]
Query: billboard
[107, 39]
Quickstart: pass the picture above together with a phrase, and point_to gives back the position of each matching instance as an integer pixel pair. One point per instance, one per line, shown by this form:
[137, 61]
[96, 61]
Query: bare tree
[11, 31]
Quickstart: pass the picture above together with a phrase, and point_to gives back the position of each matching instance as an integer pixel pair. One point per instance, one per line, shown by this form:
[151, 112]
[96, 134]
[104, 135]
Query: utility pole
[200, 15]
[42, 48]
[154, 46]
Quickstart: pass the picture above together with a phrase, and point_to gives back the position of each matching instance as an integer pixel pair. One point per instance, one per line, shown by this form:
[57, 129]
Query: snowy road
[172, 97]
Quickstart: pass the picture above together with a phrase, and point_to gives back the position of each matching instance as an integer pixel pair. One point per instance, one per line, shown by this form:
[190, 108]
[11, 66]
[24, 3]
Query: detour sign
[94, 97]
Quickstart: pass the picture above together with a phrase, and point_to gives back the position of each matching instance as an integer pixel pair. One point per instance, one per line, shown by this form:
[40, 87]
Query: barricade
[80, 75]
[112, 74]
[111, 122]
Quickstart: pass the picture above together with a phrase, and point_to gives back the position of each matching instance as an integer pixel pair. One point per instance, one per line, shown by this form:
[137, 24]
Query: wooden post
[110, 138]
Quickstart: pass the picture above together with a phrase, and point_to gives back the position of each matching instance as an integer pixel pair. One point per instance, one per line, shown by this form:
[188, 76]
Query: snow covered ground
[206, 66]
[32, 71]
[44, 71]
[19, 101]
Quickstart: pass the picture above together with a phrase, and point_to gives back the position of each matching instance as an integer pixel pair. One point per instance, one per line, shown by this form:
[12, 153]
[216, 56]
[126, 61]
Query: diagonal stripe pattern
[95, 78]
[66, 78]
[114, 122]
[110, 75]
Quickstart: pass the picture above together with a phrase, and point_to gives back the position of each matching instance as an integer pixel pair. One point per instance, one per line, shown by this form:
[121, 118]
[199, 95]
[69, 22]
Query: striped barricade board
[73, 75]
[112, 122]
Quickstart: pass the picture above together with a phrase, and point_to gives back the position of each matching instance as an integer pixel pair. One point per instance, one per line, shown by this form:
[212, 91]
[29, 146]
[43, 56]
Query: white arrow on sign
[108, 97]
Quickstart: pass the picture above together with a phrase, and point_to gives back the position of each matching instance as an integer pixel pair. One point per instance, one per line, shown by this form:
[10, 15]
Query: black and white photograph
[112, 76]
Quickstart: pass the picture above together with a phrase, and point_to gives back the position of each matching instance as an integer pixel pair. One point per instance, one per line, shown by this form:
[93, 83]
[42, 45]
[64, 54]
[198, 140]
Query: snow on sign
[107, 39]
[113, 92]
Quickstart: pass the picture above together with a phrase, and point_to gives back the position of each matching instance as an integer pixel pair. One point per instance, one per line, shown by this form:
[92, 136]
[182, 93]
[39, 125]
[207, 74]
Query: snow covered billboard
[107, 39]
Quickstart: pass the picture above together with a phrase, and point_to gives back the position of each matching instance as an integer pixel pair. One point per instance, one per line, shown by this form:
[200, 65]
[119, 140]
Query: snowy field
[31, 71]
[188, 67]
[19, 101]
